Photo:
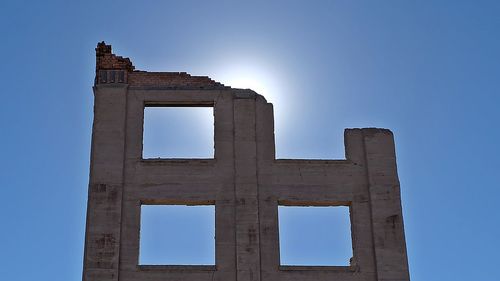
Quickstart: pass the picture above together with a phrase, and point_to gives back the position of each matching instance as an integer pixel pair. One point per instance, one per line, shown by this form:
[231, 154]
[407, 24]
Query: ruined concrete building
[244, 182]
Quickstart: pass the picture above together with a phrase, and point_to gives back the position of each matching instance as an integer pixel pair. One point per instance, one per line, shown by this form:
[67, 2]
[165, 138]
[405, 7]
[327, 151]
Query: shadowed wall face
[250, 196]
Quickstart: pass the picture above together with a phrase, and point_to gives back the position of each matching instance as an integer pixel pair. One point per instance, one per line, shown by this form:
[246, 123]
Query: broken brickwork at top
[111, 68]
[105, 59]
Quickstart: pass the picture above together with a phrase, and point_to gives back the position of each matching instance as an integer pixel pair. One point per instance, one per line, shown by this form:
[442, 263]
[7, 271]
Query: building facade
[244, 181]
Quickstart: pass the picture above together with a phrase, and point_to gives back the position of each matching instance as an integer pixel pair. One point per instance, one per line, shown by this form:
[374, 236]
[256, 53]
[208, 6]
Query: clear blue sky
[428, 70]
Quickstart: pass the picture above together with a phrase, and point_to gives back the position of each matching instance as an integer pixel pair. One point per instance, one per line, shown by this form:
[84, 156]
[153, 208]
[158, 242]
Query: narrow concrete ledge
[317, 268]
[313, 161]
[191, 268]
[178, 161]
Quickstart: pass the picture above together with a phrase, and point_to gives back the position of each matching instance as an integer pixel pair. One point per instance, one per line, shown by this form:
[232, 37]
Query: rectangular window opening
[177, 235]
[178, 131]
[315, 235]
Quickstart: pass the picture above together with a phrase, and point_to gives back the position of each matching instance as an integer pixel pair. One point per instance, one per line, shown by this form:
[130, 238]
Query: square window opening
[315, 235]
[177, 235]
[172, 131]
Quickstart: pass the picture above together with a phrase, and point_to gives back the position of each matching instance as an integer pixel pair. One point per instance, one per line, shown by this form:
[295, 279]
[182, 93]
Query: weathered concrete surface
[244, 181]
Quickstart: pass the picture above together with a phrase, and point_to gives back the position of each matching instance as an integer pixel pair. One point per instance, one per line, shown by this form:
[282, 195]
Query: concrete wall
[244, 181]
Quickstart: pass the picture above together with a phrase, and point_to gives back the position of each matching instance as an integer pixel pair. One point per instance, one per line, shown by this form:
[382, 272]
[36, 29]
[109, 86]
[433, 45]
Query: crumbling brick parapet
[111, 69]
[105, 59]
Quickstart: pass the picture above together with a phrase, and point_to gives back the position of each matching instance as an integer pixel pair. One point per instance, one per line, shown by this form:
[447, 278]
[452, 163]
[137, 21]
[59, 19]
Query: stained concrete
[244, 181]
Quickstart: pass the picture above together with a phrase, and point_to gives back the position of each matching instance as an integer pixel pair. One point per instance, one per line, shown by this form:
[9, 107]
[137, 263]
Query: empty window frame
[314, 235]
[172, 131]
[177, 235]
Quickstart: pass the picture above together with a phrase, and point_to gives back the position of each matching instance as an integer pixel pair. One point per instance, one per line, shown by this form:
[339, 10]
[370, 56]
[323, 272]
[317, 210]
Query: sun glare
[259, 76]
[264, 74]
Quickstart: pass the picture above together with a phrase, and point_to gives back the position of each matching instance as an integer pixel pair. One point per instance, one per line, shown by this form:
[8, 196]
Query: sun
[262, 74]
[257, 74]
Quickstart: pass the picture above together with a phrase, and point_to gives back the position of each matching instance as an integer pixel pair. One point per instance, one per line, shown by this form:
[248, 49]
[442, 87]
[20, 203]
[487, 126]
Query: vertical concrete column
[268, 202]
[387, 223]
[264, 133]
[361, 214]
[246, 192]
[106, 182]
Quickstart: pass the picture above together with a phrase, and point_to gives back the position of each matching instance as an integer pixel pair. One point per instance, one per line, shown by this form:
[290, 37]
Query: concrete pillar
[247, 209]
[106, 183]
[387, 221]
